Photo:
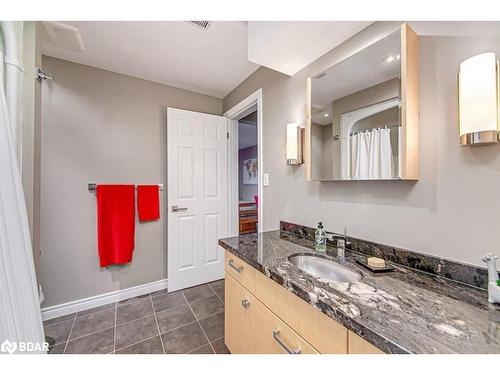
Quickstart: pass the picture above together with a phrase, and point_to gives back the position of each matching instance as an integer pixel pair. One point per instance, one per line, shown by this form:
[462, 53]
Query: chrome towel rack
[92, 186]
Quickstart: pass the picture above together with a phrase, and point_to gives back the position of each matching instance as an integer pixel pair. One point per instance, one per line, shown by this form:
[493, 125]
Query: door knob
[177, 208]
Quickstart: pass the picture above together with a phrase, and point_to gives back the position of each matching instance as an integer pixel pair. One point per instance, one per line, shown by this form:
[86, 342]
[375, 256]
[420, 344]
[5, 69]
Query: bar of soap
[376, 262]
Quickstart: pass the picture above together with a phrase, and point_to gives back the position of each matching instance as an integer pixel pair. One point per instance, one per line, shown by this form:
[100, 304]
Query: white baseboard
[102, 299]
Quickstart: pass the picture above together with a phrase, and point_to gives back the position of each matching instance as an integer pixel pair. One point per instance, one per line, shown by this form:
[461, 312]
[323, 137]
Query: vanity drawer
[273, 336]
[322, 332]
[239, 319]
[241, 271]
[358, 345]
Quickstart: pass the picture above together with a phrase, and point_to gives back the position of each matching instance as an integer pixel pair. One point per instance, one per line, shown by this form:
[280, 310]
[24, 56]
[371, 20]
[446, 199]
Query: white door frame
[240, 110]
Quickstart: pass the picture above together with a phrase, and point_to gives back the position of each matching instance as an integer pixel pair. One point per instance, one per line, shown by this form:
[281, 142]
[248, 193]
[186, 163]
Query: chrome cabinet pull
[177, 208]
[283, 345]
[237, 269]
[245, 303]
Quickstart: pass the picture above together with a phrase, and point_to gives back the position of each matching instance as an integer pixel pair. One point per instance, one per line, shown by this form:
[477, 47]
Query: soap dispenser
[493, 281]
[320, 238]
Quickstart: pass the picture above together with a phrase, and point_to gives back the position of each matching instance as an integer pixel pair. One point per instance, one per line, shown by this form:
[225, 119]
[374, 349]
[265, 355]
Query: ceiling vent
[201, 24]
[62, 35]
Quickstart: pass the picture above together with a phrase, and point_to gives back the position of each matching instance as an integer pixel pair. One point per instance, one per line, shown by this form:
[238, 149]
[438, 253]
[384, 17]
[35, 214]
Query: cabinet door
[273, 336]
[239, 320]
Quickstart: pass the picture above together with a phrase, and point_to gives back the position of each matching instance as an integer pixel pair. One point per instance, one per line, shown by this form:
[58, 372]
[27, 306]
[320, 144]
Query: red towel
[148, 202]
[115, 223]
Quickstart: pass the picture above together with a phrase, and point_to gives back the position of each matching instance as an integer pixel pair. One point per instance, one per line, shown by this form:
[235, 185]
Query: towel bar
[92, 186]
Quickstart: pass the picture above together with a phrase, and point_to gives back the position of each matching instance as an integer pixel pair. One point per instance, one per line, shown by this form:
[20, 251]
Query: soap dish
[364, 263]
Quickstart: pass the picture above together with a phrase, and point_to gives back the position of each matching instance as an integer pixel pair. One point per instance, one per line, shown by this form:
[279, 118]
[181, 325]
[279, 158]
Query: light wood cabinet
[263, 317]
[358, 345]
[239, 320]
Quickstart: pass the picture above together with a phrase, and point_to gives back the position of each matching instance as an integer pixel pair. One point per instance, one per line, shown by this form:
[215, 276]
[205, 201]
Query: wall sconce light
[294, 140]
[478, 100]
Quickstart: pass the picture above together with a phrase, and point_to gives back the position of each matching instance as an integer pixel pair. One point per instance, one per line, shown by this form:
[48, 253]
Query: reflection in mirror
[355, 129]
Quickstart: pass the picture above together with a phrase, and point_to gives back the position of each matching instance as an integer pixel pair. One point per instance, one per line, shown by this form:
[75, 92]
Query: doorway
[245, 166]
[248, 166]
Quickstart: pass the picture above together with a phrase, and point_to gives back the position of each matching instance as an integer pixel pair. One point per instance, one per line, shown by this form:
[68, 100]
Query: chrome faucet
[341, 245]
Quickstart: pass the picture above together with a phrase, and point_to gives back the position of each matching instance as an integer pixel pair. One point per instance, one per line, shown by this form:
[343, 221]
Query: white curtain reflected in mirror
[370, 139]
[371, 155]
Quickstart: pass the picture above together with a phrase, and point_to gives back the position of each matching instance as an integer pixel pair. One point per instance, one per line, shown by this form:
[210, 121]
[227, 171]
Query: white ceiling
[212, 61]
[290, 46]
[216, 60]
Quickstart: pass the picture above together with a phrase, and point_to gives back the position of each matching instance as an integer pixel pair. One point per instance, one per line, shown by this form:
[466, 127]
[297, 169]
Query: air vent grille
[201, 24]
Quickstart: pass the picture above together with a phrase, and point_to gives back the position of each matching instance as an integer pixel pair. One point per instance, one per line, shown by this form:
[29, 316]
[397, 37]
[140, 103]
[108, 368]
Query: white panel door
[197, 197]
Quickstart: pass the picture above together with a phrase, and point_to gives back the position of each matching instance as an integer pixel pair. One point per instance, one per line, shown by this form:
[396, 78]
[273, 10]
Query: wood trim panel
[409, 103]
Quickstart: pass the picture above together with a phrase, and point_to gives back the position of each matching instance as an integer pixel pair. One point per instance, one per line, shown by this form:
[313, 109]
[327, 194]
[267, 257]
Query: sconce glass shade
[293, 144]
[478, 101]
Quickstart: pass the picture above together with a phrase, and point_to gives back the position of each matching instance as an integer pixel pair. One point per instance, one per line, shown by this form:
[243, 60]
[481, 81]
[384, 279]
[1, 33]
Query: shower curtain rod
[378, 127]
[336, 137]
[92, 186]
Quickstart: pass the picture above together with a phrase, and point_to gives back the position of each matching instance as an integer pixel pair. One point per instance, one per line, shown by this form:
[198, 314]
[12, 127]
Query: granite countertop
[404, 311]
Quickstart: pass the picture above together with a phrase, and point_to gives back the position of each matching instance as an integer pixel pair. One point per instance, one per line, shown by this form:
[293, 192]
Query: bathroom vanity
[272, 306]
[263, 317]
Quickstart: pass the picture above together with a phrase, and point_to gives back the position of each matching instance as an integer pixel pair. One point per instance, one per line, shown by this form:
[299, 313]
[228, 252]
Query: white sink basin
[324, 268]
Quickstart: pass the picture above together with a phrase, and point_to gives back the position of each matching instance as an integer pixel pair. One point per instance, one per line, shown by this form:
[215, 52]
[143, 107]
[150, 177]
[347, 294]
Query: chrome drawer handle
[245, 303]
[237, 269]
[283, 345]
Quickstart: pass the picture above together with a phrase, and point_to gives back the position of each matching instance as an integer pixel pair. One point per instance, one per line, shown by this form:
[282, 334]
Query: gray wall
[246, 192]
[99, 126]
[453, 211]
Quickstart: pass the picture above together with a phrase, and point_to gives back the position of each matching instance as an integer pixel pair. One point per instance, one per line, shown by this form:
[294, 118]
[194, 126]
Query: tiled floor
[187, 321]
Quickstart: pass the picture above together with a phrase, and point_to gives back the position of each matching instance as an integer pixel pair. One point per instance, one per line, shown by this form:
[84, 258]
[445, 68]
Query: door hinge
[227, 134]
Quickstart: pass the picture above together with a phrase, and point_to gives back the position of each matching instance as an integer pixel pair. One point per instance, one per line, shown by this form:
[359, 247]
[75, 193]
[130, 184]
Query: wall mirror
[363, 114]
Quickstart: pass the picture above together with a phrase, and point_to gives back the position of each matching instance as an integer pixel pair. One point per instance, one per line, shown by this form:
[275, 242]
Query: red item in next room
[148, 202]
[115, 223]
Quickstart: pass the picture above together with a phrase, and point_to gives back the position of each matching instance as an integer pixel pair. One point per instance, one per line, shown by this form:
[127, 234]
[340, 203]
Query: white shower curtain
[360, 144]
[20, 316]
[371, 155]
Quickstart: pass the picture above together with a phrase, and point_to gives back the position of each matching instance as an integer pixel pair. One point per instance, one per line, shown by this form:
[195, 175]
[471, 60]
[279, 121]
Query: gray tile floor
[186, 321]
